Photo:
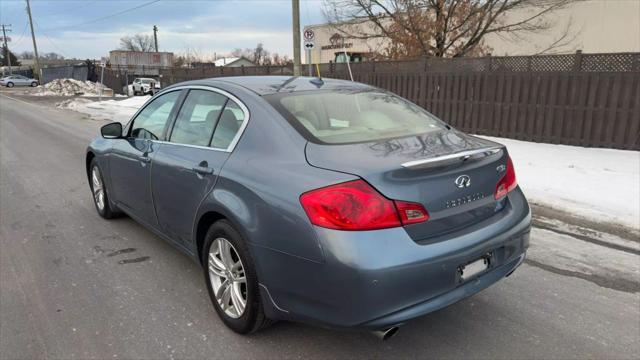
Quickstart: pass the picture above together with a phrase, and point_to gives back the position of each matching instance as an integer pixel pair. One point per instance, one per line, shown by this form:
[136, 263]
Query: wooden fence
[579, 99]
[595, 109]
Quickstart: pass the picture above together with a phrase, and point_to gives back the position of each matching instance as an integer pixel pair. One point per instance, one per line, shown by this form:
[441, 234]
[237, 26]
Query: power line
[104, 17]
[24, 32]
[50, 41]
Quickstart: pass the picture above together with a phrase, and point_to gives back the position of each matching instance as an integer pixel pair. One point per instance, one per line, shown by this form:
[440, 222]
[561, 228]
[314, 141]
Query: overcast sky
[73, 27]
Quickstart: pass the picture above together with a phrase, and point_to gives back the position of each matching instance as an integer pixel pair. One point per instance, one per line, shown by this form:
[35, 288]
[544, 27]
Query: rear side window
[228, 126]
[198, 118]
[346, 116]
[151, 121]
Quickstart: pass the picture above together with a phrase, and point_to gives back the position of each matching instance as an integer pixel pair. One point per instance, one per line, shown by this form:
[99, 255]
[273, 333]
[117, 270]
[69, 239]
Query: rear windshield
[341, 116]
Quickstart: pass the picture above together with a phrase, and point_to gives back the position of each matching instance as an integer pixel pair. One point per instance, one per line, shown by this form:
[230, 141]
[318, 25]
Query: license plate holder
[474, 268]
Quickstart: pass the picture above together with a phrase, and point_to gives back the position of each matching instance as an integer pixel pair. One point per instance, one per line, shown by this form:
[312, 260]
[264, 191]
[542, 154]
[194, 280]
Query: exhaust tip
[386, 334]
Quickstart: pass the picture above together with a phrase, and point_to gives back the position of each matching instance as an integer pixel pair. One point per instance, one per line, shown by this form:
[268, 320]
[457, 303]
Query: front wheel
[34, 84]
[231, 279]
[9, 84]
[99, 192]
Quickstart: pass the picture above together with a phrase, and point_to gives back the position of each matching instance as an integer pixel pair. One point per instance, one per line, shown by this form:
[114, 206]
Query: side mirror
[111, 131]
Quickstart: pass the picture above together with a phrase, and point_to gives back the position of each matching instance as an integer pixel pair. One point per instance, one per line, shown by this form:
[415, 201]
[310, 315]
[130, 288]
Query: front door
[186, 168]
[132, 157]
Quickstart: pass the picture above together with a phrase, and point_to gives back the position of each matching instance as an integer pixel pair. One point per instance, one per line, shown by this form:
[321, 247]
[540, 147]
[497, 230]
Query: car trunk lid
[453, 175]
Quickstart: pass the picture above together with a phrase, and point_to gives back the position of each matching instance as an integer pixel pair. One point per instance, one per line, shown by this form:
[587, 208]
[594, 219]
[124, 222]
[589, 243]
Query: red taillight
[508, 181]
[355, 205]
[411, 213]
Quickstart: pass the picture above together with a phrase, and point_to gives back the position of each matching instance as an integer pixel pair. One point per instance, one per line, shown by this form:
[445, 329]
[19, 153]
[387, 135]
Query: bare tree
[27, 55]
[440, 28]
[245, 53]
[137, 42]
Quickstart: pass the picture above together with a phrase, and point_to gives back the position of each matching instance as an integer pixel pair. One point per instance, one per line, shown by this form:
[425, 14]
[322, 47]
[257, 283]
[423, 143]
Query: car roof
[265, 85]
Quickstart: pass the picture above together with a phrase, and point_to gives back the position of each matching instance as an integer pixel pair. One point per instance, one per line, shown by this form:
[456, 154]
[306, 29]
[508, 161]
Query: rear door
[131, 158]
[186, 168]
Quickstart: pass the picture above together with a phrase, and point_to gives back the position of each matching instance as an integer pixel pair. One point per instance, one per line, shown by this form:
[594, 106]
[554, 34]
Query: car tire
[252, 318]
[9, 84]
[34, 84]
[99, 191]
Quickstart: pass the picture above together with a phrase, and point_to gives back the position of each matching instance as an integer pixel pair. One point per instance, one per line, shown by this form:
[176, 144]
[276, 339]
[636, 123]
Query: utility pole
[6, 47]
[295, 5]
[35, 47]
[155, 36]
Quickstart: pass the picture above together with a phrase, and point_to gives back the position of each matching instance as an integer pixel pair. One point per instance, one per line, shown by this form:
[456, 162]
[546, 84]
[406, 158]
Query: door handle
[203, 170]
[144, 159]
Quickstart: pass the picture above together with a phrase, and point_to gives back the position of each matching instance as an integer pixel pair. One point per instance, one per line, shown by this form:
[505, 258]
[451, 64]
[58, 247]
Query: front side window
[228, 126]
[198, 118]
[348, 116]
[151, 121]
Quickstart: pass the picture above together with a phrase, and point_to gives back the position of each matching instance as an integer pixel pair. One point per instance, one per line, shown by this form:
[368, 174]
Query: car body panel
[178, 189]
[371, 275]
[366, 279]
[380, 163]
[130, 171]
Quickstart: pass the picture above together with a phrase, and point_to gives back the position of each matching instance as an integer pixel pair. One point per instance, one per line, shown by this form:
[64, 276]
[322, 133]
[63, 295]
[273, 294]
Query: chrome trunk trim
[450, 158]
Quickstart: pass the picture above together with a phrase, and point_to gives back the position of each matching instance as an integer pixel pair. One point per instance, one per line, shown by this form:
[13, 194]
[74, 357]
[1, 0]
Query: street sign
[309, 35]
[308, 45]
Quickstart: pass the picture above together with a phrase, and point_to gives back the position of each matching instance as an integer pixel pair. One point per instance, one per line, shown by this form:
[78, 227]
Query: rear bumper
[463, 291]
[376, 279]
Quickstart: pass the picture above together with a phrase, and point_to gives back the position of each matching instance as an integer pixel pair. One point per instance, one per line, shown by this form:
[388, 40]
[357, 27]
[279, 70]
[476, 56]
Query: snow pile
[69, 87]
[111, 110]
[599, 184]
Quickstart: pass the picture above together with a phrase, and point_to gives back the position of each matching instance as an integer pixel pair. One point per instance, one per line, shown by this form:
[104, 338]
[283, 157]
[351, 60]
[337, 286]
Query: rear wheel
[9, 84]
[99, 191]
[231, 279]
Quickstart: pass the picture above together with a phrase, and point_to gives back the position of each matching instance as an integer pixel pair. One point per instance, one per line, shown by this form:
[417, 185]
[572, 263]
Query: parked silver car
[18, 80]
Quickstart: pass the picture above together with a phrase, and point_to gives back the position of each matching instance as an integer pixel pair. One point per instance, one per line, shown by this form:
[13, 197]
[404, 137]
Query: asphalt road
[68, 291]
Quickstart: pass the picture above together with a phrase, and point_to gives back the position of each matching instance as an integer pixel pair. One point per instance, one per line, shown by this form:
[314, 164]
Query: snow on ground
[599, 184]
[111, 110]
[69, 87]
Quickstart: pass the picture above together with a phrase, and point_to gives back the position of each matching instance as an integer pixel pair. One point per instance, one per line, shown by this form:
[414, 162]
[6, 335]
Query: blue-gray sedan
[315, 200]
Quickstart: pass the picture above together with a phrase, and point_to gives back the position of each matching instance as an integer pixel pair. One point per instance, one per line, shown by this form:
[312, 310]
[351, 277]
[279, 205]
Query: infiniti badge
[463, 181]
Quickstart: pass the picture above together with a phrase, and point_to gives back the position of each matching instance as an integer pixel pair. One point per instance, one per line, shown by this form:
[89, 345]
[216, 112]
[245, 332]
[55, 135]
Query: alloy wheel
[98, 188]
[227, 277]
